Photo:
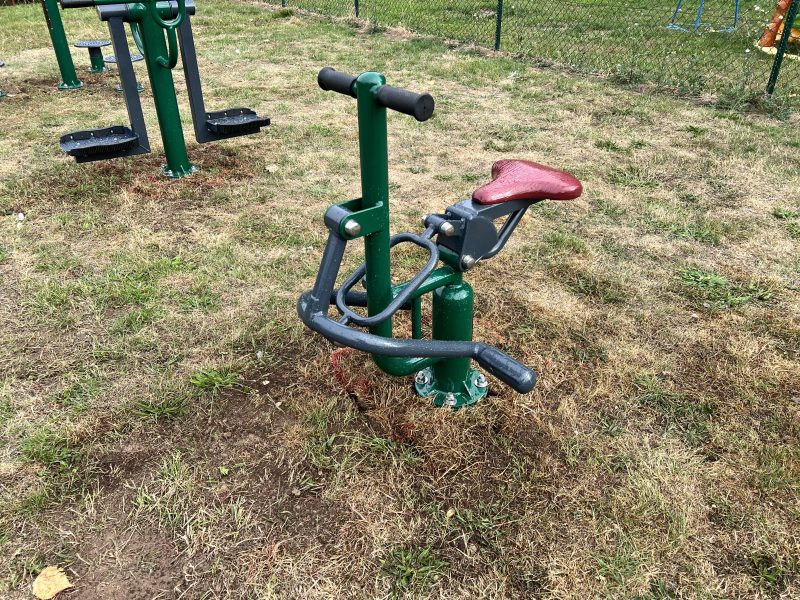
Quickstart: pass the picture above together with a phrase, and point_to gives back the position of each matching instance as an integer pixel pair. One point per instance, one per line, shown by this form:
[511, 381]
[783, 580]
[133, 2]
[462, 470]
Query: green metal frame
[155, 34]
[69, 78]
[449, 381]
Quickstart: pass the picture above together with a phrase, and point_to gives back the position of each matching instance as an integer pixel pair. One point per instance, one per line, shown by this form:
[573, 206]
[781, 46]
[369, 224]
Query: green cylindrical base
[178, 171]
[70, 85]
[139, 88]
[96, 60]
[451, 381]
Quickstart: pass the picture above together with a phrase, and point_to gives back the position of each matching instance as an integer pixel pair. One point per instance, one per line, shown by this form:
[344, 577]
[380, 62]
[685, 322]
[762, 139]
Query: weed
[785, 214]
[771, 573]
[715, 292]
[632, 177]
[412, 569]
[212, 381]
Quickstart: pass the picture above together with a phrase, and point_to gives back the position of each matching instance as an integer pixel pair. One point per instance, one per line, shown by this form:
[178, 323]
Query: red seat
[526, 180]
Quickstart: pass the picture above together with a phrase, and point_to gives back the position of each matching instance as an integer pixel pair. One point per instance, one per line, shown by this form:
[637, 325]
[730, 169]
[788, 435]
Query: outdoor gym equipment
[69, 79]
[465, 234]
[111, 59]
[2, 93]
[95, 53]
[698, 19]
[158, 28]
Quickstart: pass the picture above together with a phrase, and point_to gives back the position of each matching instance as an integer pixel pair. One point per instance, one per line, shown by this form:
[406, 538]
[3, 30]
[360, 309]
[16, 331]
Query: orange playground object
[774, 30]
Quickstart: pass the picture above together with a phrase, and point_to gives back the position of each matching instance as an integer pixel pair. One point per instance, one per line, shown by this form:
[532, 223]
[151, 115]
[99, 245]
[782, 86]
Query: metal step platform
[99, 144]
[235, 121]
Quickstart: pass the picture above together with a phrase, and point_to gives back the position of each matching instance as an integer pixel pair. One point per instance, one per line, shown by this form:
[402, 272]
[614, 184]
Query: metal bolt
[468, 261]
[352, 228]
[480, 381]
[450, 399]
[421, 378]
[447, 228]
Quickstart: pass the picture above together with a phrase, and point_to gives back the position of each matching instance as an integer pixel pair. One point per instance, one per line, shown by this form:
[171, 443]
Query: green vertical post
[69, 79]
[164, 96]
[498, 29]
[374, 155]
[788, 23]
[452, 320]
[450, 381]
[356, 7]
[96, 61]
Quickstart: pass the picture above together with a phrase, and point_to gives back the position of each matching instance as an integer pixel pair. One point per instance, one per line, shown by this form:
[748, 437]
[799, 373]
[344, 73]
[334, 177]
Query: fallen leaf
[50, 582]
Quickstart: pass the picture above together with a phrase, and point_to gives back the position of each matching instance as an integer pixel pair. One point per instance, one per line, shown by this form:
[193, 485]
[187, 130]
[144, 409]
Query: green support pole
[498, 29]
[788, 23]
[69, 78]
[375, 192]
[451, 382]
[96, 61]
[156, 54]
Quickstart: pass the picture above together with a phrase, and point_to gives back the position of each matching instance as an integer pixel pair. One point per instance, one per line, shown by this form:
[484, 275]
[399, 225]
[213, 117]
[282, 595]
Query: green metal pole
[499, 25]
[375, 192]
[96, 61]
[164, 96]
[69, 78]
[451, 382]
[788, 23]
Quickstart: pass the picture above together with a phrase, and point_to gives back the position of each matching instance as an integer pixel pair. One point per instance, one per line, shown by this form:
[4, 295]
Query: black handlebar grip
[419, 106]
[76, 3]
[329, 79]
[509, 371]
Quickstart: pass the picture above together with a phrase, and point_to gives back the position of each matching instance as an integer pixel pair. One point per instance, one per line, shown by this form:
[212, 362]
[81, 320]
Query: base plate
[180, 172]
[472, 390]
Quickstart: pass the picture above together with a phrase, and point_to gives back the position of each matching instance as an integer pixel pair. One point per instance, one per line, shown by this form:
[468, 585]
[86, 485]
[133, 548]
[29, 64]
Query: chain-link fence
[690, 46]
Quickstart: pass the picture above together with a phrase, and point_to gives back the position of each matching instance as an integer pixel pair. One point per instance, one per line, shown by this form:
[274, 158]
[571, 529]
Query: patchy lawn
[169, 428]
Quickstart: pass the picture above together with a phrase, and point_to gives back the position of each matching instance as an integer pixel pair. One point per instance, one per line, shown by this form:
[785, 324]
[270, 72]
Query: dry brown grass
[170, 429]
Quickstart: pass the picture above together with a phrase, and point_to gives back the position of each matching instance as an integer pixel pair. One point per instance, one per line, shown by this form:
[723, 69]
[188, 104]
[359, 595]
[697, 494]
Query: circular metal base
[471, 390]
[104, 69]
[183, 172]
[139, 88]
[70, 86]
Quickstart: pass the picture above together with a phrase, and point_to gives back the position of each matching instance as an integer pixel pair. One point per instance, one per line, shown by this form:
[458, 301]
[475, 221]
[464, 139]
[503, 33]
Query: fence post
[356, 5]
[499, 26]
[788, 22]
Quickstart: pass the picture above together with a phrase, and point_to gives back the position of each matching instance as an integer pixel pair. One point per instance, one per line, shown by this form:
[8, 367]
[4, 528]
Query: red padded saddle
[526, 180]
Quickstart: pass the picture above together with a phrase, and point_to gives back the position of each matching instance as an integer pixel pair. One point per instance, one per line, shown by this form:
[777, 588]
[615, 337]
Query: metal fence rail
[690, 46]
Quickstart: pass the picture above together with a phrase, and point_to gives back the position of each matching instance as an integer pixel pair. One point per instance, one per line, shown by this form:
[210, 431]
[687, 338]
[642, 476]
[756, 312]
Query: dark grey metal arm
[313, 310]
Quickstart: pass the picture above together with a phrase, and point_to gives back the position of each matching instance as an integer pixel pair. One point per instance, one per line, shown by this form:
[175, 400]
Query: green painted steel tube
[96, 61]
[69, 78]
[164, 96]
[498, 29]
[375, 192]
[788, 23]
[452, 320]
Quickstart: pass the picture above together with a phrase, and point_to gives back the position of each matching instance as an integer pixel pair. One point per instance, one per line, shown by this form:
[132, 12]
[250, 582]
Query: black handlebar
[331, 80]
[419, 106]
[76, 3]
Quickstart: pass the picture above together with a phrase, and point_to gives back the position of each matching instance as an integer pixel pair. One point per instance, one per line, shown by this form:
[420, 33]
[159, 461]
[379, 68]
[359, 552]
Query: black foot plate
[235, 121]
[96, 144]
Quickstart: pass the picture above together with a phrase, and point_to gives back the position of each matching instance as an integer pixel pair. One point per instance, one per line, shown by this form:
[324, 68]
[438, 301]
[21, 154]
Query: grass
[627, 41]
[169, 427]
